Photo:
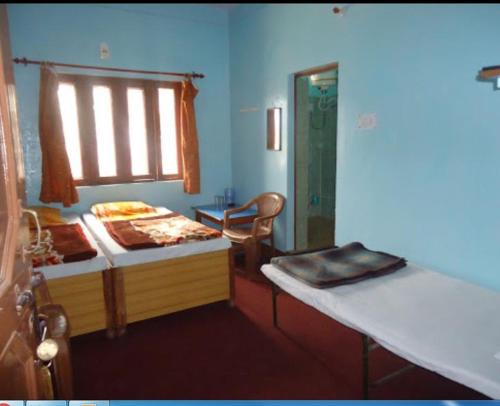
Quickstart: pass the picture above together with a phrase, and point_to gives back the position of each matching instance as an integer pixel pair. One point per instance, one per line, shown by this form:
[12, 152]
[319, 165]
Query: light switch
[367, 121]
[104, 50]
[248, 109]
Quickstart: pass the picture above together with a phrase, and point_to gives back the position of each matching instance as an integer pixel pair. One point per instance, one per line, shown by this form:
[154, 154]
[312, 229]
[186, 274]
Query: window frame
[119, 106]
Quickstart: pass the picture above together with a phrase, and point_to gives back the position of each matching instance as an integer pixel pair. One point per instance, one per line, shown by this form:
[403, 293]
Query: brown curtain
[189, 139]
[57, 182]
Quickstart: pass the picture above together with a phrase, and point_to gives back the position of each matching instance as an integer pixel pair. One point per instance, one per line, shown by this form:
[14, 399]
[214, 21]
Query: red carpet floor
[219, 352]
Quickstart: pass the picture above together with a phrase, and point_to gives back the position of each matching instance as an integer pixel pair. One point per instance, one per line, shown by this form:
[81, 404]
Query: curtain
[189, 139]
[57, 182]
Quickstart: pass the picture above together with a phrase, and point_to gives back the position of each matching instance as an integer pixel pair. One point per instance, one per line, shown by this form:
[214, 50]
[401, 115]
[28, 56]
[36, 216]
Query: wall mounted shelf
[490, 72]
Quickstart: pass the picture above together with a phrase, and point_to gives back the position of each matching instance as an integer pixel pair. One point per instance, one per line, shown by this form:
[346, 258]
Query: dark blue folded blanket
[338, 266]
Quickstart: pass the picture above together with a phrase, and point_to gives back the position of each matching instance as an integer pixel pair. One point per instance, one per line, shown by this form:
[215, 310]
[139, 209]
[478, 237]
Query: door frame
[296, 75]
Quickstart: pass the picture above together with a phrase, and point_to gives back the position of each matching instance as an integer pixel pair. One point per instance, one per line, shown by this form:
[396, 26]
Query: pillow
[47, 216]
[113, 211]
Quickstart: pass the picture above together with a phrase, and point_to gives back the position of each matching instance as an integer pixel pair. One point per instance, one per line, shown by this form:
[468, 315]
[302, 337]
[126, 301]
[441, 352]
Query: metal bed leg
[367, 348]
[274, 290]
[366, 353]
[393, 375]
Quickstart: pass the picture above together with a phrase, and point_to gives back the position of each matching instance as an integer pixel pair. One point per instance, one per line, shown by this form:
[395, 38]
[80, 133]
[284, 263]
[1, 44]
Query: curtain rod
[25, 62]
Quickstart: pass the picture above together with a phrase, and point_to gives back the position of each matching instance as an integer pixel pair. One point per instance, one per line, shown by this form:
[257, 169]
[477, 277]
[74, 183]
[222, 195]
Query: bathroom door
[315, 156]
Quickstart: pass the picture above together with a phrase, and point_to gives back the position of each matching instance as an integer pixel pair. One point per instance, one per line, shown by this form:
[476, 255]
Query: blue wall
[425, 183]
[157, 37]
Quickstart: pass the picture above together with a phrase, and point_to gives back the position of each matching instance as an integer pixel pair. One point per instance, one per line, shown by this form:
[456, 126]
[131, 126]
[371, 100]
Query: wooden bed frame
[110, 299]
[86, 299]
[158, 288]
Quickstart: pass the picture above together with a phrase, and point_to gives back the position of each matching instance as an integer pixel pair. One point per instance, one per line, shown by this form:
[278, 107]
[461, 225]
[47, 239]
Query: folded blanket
[338, 266]
[166, 230]
[61, 243]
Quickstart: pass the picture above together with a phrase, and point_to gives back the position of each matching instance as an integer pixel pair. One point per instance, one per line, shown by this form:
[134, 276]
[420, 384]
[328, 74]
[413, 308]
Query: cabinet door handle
[47, 350]
[37, 279]
[25, 298]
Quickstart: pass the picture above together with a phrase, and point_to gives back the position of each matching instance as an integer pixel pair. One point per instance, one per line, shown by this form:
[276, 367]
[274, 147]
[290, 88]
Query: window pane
[137, 131]
[104, 131]
[67, 105]
[168, 131]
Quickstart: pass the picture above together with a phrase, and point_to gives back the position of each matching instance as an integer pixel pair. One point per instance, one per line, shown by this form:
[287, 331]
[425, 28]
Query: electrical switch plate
[104, 50]
[367, 121]
[248, 109]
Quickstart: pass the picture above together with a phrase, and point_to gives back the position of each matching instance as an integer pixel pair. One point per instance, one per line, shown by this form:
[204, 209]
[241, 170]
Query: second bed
[434, 321]
[152, 282]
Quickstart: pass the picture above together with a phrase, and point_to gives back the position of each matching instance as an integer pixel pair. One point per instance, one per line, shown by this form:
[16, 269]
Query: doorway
[316, 95]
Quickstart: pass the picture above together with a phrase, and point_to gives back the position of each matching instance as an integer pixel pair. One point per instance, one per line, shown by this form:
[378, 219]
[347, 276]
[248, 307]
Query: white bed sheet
[120, 256]
[95, 264]
[435, 321]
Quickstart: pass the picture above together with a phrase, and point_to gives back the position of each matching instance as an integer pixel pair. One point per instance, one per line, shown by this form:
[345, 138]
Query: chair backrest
[269, 204]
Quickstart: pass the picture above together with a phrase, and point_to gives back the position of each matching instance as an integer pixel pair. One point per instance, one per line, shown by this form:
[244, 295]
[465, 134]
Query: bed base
[86, 299]
[155, 289]
[368, 345]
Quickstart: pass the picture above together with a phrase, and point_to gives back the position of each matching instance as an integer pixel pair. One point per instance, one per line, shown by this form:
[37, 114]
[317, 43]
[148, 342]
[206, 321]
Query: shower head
[322, 82]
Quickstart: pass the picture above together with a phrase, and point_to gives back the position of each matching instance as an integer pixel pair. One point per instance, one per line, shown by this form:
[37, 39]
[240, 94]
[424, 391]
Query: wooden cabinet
[20, 377]
[22, 374]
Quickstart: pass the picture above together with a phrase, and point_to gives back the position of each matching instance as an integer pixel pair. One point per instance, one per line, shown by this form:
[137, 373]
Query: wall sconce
[490, 73]
[274, 128]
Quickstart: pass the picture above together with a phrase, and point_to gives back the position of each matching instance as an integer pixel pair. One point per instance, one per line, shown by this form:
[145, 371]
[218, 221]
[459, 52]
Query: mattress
[435, 321]
[120, 256]
[95, 264]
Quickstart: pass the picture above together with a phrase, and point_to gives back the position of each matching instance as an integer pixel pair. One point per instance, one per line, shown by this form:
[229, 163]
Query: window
[120, 130]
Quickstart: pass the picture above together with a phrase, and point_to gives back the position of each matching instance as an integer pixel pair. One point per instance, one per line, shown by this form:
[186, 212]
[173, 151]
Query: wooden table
[214, 214]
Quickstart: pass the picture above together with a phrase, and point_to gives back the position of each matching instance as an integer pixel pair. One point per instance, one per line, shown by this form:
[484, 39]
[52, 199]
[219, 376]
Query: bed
[432, 320]
[156, 281]
[82, 287]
